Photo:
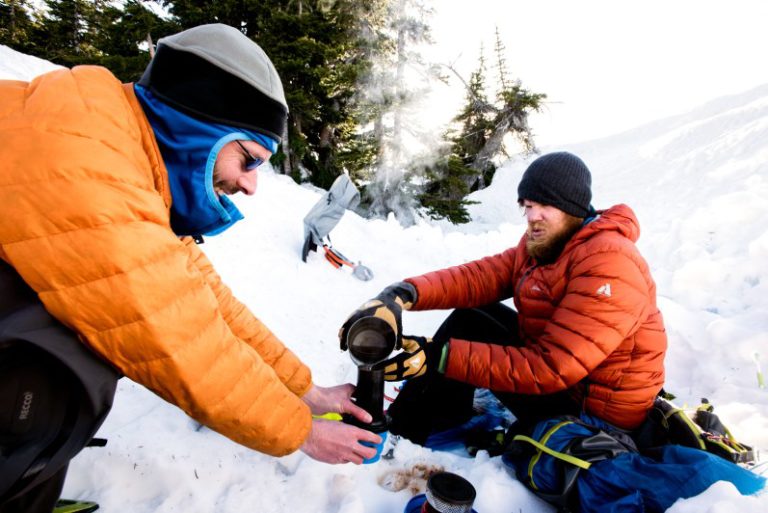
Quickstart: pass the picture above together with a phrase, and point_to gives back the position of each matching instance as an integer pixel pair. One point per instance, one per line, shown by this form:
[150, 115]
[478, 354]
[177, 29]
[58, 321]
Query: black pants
[434, 403]
[40, 499]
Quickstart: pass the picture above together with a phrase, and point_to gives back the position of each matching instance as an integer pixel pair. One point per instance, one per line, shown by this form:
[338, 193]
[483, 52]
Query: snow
[699, 185]
[18, 66]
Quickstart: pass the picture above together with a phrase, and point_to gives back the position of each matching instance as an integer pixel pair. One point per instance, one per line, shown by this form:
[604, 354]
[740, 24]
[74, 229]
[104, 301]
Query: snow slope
[699, 184]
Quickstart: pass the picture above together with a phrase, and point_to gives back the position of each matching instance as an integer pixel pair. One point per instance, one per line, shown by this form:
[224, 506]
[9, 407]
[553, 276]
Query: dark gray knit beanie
[559, 179]
[215, 73]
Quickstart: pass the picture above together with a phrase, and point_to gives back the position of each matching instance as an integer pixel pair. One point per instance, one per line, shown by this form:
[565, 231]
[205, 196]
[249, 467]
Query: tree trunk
[397, 129]
[325, 136]
[287, 151]
[12, 27]
[151, 45]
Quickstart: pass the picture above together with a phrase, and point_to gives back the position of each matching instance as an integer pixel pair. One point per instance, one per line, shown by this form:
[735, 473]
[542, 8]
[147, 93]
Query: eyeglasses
[251, 162]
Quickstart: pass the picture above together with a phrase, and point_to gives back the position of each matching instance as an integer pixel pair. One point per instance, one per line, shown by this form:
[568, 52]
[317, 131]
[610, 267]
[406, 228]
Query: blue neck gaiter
[189, 148]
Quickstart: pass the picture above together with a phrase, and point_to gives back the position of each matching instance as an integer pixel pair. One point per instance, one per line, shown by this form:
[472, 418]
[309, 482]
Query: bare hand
[333, 442]
[337, 399]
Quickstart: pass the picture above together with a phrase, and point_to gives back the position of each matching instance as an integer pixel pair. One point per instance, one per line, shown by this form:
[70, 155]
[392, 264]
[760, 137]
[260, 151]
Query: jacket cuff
[412, 291]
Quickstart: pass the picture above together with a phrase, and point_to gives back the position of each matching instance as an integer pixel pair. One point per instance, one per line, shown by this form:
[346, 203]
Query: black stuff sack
[54, 392]
[701, 428]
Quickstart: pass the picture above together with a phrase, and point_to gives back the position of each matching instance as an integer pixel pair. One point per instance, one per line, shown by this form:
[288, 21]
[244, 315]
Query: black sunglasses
[251, 162]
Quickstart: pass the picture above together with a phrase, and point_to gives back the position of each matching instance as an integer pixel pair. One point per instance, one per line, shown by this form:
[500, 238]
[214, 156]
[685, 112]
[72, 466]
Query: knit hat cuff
[545, 197]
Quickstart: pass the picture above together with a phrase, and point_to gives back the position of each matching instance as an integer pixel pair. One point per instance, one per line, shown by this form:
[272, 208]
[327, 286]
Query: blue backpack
[585, 465]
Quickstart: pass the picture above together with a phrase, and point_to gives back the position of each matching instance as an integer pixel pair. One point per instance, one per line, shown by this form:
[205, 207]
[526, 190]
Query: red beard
[545, 242]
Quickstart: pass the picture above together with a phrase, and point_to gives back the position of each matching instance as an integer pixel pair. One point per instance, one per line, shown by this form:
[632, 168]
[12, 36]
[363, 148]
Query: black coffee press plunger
[370, 341]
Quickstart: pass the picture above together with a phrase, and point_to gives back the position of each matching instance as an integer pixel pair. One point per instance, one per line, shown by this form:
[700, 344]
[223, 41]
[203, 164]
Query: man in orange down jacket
[586, 335]
[104, 189]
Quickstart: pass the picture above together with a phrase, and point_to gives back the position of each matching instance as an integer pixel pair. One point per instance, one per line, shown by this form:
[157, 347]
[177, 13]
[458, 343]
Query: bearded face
[549, 230]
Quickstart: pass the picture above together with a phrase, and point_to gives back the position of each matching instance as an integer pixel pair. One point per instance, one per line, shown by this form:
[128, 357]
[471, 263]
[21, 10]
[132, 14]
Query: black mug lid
[370, 340]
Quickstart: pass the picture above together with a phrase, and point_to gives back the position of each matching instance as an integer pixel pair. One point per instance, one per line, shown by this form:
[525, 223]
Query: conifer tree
[361, 153]
[16, 25]
[72, 32]
[509, 117]
[475, 118]
[501, 62]
[68, 29]
[469, 165]
[450, 178]
[315, 53]
[125, 36]
[391, 90]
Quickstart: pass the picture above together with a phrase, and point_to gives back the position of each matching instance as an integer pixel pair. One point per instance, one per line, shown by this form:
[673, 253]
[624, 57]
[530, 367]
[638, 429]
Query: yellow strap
[544, 439]
[328, 416]
[559, 455]
[543, 448]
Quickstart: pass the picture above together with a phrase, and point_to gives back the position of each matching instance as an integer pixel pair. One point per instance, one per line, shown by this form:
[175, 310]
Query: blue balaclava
[204, 88]
[189, 147]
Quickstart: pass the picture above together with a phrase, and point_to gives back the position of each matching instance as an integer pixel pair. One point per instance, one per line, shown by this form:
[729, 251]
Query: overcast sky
[608, 65]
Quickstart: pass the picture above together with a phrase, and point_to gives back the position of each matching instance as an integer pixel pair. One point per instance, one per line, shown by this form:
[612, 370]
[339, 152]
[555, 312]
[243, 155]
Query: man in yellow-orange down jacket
[103, 188]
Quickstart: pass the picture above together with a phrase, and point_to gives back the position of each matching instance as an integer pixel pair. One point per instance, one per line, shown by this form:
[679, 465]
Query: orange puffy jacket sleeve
[468, 285]
[246, 326]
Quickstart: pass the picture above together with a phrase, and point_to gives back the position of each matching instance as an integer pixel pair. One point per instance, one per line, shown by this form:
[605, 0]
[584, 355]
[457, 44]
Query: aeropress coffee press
[370, 341]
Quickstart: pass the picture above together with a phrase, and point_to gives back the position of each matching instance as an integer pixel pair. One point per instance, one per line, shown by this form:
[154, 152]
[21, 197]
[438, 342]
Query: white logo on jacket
[605, 290]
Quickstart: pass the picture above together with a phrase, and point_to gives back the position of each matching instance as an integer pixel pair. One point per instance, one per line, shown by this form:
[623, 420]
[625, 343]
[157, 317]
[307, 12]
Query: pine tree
[501, 62]
[67, 27]
[469, 165]
[72, 32]
[359, 155]
[450, 178]
[475, 117]
[125, 36]
[510, 117]
[390, 90]
[313, 50]
[16, 25]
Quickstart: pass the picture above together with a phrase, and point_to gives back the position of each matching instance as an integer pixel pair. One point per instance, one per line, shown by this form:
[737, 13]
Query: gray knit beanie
[215, 73]
[559, 179]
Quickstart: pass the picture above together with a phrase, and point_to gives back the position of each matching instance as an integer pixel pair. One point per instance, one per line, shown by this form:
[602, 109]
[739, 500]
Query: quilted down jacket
[84, 219]
[588, 322]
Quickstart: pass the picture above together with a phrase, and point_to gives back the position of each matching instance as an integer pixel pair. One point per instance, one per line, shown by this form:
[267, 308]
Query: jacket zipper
[523, 278]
